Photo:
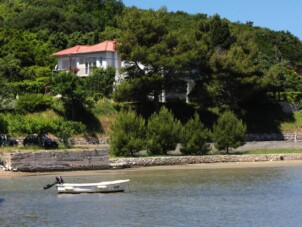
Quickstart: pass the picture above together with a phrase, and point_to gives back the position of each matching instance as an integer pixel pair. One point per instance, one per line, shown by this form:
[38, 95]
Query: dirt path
[270, 145]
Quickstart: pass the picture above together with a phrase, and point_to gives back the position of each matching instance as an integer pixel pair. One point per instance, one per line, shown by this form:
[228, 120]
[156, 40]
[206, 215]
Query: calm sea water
[193, 197]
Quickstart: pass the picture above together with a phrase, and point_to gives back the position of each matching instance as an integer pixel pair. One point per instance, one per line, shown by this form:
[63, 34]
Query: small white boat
[101, 187]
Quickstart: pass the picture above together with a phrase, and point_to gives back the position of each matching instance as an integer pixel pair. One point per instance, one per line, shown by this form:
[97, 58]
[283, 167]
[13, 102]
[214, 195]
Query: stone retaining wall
[93, 159]
[182, 160]
[291, 137]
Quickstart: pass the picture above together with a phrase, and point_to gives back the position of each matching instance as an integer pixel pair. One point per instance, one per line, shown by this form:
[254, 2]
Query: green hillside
[235, 66]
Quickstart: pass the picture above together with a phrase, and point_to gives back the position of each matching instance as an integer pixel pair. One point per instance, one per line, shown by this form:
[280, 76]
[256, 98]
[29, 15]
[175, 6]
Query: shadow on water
[1, 201]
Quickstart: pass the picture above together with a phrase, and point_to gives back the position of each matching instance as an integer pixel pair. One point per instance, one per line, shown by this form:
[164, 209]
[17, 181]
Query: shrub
[41, 126]
[291, 96]
[27, 86]
[20, 124]
[300, 105]
[127, 134]
[3, 125]
[66, 129]
[33, 103]
[100, 82]
[228, 132]
[35, 71]
[194, 137]
[163, 132]
[105, 107]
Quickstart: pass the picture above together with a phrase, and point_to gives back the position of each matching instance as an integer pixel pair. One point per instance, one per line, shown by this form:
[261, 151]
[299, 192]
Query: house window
[90, 64]
[66, 64]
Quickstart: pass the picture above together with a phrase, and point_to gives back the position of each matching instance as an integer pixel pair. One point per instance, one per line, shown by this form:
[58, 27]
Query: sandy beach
[231, 165]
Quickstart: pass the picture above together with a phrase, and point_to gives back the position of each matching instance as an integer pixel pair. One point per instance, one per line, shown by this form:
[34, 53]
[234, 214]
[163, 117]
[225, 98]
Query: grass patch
[49, 114]
[293, 126]
[105, 111]
[268, 151]
[11, 149]
[105, 107]
[33, 148]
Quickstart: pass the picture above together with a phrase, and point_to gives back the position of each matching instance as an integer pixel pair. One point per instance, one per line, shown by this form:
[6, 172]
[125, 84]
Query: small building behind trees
[82, 59]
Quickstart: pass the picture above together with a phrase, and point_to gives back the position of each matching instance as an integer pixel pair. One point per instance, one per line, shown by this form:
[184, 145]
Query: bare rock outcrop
[56, 160]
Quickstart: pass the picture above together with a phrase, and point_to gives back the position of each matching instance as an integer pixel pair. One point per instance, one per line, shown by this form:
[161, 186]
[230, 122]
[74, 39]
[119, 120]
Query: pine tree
[228, 132]
[127, 134]
[163, 132]
[194, 137]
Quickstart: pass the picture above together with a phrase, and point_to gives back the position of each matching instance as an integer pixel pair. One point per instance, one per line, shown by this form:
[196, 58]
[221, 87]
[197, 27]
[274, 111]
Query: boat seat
[102, 186]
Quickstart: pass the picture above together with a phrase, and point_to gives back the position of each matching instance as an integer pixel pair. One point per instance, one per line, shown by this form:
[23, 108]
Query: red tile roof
[107, 46]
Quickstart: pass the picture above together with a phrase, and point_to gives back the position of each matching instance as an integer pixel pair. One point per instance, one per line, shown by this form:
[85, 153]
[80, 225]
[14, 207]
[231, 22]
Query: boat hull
[101, 187]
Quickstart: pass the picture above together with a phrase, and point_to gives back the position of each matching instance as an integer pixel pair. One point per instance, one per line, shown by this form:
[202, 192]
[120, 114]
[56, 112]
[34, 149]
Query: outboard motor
[59, 180]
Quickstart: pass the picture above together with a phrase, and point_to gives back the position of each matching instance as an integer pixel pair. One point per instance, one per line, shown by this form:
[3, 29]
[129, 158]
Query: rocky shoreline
[96, 157]
[185, 160]
[169, 161]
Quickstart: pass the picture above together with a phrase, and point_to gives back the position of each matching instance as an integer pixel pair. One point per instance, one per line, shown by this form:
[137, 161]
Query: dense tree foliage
[231, 64]
[30, 31]
[60, 16]
[228, 62]
[71, 90]
[30, 103]
[144, 47]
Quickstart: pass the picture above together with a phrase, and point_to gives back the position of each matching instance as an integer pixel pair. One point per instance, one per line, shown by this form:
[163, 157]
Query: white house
[83, 58]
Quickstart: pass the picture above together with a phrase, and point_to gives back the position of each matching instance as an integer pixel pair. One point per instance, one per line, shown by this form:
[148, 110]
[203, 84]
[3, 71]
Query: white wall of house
[86, 62]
